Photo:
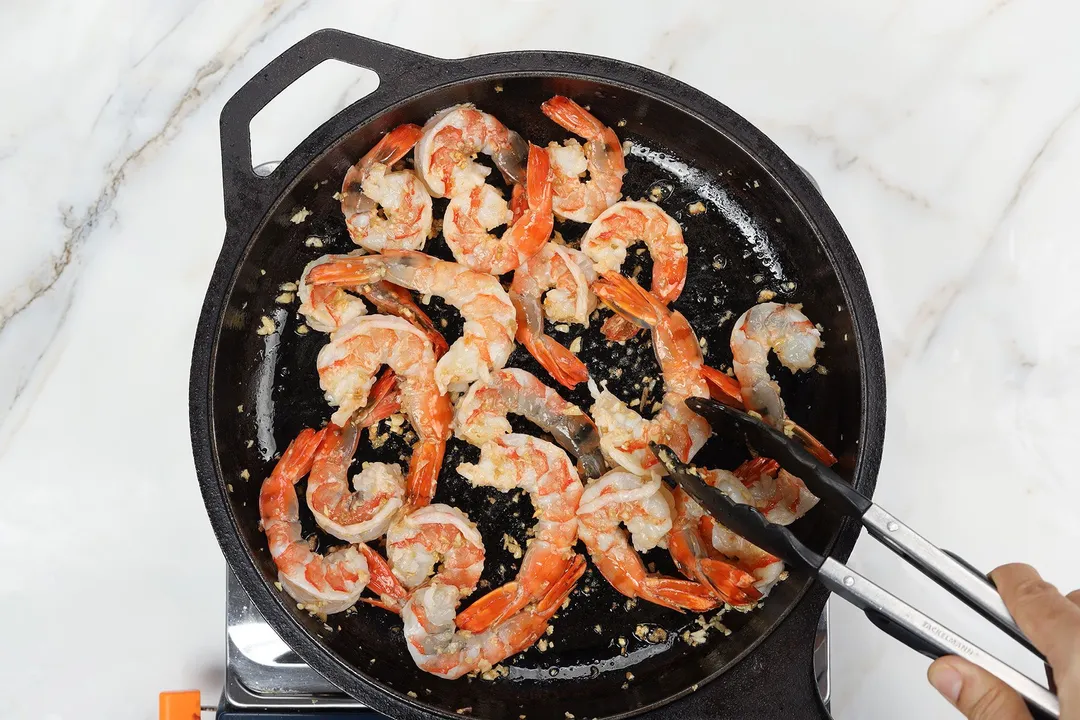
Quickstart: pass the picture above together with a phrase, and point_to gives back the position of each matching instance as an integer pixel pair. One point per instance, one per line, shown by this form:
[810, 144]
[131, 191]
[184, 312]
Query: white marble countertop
[946, 137]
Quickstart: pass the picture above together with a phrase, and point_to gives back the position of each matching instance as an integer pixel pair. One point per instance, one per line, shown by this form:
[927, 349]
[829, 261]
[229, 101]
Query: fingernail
[946, 681]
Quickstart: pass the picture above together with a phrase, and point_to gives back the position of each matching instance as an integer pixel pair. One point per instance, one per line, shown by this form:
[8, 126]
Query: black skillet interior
[607, 656]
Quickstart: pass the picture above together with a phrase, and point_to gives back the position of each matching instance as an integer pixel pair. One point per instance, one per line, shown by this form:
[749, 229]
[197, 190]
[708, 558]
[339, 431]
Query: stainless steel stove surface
[265, 678]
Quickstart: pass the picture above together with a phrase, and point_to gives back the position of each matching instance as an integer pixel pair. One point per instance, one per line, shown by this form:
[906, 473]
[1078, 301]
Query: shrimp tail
[677, 594]
[618, 329]
[571, 116]
[560, 590]
[627, 298]
[492, 608]
[751, 470]
[722, 387]
[383, 401]
[503, 602]
[424, 469]
[298, 458]
[391, 299]
[538, 219]
[392, 594]
[519, 203]
[393, 146]
[813, 445]
[353, 271]
[733, 585]
[563, 365]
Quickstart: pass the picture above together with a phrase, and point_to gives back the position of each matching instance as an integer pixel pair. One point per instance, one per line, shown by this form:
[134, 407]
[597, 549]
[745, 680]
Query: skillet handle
[400, 72]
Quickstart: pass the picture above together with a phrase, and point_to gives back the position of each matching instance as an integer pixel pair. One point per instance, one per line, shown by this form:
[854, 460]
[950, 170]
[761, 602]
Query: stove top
[264, 677]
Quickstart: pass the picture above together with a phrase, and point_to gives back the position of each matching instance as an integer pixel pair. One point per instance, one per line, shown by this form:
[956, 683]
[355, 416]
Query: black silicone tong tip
[743, 520]
[790, 453]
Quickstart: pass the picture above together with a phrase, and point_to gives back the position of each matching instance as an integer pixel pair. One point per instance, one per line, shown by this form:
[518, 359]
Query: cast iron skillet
[765, 227]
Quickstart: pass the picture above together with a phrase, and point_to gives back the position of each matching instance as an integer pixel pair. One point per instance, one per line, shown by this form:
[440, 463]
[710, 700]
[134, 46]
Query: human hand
[1052, 623]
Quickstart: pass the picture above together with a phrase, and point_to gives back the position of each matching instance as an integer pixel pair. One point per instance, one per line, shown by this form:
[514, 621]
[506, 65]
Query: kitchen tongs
[885, 610]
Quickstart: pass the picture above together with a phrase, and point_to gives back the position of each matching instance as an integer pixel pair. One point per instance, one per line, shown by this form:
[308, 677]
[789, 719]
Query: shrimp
[328, 583]
[782, 497]
[624, 437]
[439, 648]
[480, 416]
[565, 274]
[490, 318]
[782, 329]
[365, 514]
[328, 307]
[471, 216]
[602, 157]
[547, 474]
[694, 555]
[436, 535]
[619, 227]
[347, 367]
[369, 185]
[449, 141]
[641, 504]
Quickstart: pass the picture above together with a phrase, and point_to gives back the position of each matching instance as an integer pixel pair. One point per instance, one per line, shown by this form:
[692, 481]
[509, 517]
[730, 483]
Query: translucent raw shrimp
[623, 437]
[347, 367]
[445, 154]
[490, 318]
[436, 535]
[547, 474]
[439, 648]
[324, 584]
[328, 307]
[643, 505]
[602, 156]
[619, 227]
[782, 329]
[471, 216]
[565, 274]
[480, 416]
[384, 209]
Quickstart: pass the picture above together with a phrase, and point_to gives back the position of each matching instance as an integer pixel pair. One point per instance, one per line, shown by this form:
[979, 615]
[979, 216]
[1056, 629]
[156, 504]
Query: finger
[975, 692]
[1074, 597]
[1050, 620]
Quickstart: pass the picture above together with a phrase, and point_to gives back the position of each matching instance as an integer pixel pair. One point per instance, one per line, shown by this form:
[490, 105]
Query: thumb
[975, 692]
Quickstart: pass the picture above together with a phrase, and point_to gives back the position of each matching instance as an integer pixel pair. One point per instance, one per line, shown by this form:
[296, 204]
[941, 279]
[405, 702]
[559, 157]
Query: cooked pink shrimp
[546, 473]
[328, 307]
[324, 584]
[781, 496]
[439, 648]
[782, 329]
[384, 209]
[602, 157]
[445, 154]
[619, 227]
[360, 516]
[347, 367]
[692, 551]
[626, 440]
[490, 319]
[436, 535]
[641, 504]
[565, 274]
[480, 416]
[471, 216]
